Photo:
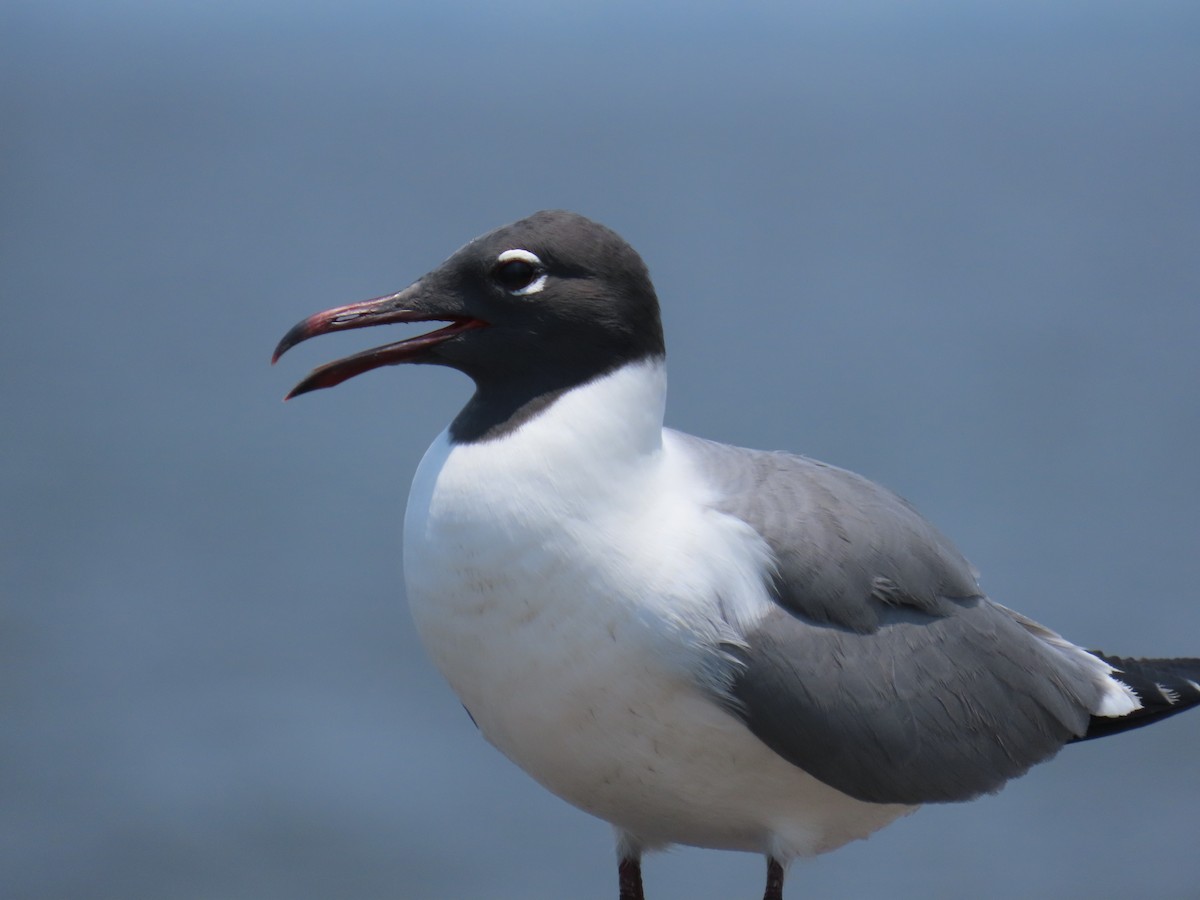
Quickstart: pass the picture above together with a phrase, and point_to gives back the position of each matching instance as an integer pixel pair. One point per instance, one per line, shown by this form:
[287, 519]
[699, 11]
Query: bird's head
[540, 305]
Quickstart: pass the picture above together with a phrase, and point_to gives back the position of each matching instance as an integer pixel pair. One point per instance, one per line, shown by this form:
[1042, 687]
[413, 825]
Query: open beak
[405, 306]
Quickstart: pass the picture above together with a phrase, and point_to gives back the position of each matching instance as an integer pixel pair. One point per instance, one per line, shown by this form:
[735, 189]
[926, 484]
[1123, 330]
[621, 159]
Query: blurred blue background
[952, 245]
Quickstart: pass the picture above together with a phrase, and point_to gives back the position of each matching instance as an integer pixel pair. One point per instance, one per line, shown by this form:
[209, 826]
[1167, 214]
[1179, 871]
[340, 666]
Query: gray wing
[883, 670]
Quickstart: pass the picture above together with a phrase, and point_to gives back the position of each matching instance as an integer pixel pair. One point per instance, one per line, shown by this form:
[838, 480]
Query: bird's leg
[629, 871]
[774, 889]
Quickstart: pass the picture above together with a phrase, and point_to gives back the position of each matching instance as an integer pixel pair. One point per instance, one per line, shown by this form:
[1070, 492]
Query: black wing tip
[1166, 687]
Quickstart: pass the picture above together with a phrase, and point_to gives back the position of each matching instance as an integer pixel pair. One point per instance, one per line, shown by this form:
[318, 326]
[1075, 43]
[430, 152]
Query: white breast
[574, 584]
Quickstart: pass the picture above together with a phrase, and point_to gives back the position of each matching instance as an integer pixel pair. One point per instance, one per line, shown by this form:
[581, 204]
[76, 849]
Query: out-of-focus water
[953, 246]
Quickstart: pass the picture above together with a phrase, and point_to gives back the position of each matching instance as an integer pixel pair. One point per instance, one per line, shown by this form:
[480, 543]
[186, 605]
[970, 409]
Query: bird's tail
[1164, 687]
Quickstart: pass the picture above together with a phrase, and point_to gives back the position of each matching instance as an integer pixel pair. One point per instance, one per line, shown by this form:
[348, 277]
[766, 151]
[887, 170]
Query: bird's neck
[625, 404]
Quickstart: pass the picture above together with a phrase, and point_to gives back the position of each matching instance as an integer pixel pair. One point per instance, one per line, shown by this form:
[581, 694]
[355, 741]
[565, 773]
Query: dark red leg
[774, 889]
[630, 874]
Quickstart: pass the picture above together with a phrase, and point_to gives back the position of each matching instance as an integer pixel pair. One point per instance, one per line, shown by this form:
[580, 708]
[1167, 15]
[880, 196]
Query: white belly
[576, 634]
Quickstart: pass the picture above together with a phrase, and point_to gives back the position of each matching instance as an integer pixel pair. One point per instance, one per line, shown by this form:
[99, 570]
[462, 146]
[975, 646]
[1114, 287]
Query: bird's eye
[515, 274]
[519, 272]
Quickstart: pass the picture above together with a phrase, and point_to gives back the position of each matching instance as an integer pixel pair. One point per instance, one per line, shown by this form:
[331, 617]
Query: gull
[699, 643]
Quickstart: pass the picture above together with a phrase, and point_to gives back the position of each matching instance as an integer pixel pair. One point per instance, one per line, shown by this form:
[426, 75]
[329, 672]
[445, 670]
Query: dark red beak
[404, 306]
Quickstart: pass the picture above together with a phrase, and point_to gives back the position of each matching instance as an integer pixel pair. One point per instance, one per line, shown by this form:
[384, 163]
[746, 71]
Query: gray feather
[883, 670]
[845, 549]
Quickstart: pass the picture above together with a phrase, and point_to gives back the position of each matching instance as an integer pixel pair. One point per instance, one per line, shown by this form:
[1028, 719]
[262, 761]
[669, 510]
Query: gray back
[883, 670]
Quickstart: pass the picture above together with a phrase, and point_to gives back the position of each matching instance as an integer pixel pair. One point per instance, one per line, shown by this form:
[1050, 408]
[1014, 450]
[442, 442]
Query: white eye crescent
[519, 272]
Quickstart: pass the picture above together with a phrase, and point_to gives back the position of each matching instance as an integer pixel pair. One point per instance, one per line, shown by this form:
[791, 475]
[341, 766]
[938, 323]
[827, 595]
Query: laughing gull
[699, 643]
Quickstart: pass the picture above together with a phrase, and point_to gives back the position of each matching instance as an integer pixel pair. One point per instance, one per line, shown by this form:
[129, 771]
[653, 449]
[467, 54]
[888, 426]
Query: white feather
[570, 580]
